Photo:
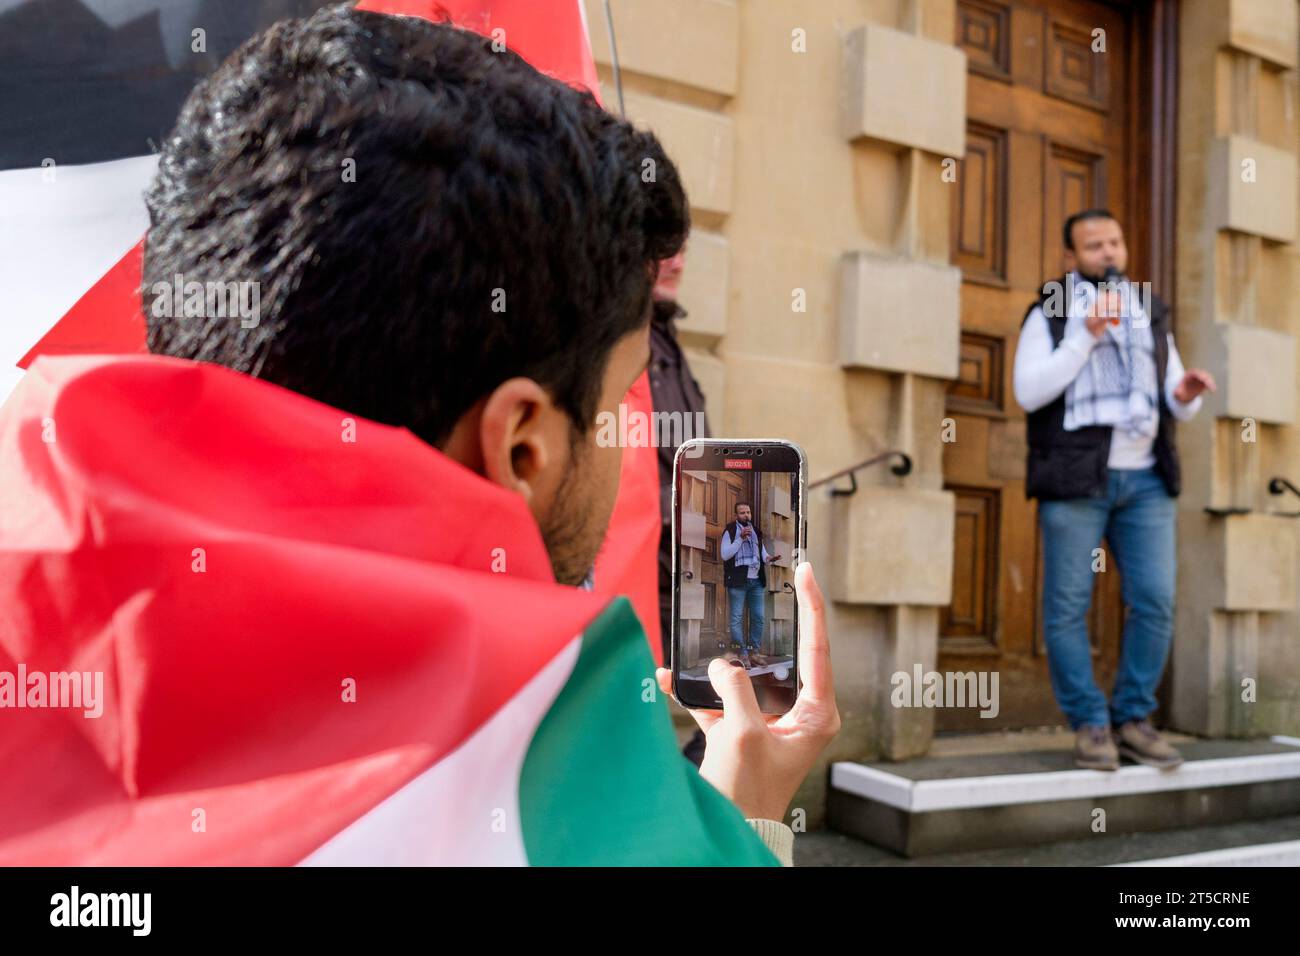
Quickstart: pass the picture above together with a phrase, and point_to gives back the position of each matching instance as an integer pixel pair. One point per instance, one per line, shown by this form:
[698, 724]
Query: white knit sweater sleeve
[1041, 373]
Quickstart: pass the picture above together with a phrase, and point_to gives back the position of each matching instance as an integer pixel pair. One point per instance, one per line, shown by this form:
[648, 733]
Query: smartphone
[738, 533]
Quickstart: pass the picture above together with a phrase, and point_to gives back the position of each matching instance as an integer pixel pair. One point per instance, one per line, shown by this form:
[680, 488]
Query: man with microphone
[744, 573]
[1098, 373]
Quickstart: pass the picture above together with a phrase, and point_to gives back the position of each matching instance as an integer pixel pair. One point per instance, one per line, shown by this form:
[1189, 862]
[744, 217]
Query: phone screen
[737, 528]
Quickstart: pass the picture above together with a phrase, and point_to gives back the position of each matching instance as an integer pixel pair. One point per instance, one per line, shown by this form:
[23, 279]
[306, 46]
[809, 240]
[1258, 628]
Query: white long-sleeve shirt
[1042, 374]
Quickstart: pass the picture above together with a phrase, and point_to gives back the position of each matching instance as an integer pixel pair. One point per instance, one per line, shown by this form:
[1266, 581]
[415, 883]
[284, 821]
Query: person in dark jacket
[1097, 370]
[672, 389]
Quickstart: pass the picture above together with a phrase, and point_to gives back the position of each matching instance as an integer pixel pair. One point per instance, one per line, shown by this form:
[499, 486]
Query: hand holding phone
[759, 760]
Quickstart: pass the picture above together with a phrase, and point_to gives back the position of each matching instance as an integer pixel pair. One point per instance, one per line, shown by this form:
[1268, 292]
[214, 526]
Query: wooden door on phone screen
[725, 490]
[1050, 131]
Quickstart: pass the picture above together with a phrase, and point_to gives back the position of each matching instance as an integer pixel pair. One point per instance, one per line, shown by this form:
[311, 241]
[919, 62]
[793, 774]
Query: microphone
[1111, 275]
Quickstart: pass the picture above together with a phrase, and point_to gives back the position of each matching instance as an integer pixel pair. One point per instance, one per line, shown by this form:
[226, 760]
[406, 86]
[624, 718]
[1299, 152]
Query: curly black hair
[493, 222]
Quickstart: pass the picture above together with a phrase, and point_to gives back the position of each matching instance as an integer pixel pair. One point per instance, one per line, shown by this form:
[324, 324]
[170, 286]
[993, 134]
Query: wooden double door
[1062, 115]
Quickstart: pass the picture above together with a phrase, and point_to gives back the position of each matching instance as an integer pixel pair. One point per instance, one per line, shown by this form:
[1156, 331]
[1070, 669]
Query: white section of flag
[57, 239]
[464, 810]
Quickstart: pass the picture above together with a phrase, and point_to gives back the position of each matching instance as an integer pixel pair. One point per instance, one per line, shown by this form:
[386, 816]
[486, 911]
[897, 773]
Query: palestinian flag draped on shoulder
[257, 630]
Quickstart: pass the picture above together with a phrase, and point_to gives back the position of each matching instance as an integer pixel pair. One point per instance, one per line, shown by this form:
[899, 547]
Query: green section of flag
[604, 782]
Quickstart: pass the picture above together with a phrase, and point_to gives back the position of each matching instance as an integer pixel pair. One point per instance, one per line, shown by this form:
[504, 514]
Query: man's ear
[520, 431]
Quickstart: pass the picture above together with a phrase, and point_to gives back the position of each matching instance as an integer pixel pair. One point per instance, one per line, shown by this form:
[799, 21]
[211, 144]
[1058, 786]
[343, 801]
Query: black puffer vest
[1073, 464]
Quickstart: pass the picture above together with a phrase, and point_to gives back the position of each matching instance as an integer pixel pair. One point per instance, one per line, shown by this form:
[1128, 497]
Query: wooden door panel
[979, 214]
[968, 623]
[984, 32]
[1074, 179]
[1072, 72]
[980, 384]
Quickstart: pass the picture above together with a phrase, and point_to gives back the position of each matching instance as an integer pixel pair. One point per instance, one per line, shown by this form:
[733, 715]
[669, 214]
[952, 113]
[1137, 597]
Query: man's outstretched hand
[758, 760]
[1195, 381]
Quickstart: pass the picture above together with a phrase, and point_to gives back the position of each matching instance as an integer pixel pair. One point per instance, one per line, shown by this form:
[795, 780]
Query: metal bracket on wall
[901, 467]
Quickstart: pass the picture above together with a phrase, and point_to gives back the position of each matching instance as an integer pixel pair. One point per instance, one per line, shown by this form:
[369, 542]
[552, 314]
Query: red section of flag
[226, 557]
[107, 319]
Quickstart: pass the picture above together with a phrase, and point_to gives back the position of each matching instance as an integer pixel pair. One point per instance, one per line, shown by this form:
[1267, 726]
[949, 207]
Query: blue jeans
[1137, 517]
[751, 595]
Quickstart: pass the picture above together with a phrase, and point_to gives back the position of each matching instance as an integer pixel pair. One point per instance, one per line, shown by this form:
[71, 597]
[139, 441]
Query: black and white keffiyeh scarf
[1117, 386]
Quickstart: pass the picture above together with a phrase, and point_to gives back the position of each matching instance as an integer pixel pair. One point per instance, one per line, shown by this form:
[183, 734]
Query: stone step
[1281, 853]
[1015, 798]
[1271, 842]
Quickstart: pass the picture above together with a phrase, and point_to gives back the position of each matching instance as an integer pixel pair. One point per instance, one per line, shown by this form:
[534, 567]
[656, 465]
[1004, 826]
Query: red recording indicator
[747, 463]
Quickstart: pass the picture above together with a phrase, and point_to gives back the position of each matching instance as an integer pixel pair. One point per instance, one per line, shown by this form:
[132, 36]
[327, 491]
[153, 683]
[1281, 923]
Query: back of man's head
[425, 217]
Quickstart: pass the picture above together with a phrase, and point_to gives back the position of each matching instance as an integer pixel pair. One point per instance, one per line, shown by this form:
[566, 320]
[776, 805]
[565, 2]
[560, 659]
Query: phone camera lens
[759, 452]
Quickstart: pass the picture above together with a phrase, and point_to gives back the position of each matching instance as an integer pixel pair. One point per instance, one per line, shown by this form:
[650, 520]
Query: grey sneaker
[1141, 742]
[1094, 750]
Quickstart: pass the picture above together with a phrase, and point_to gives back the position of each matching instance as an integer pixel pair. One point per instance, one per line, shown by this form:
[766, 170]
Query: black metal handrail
[1279, 485]
[902, 467]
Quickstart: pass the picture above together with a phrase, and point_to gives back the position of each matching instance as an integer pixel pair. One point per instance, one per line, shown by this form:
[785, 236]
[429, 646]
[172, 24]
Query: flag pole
[613, 58]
